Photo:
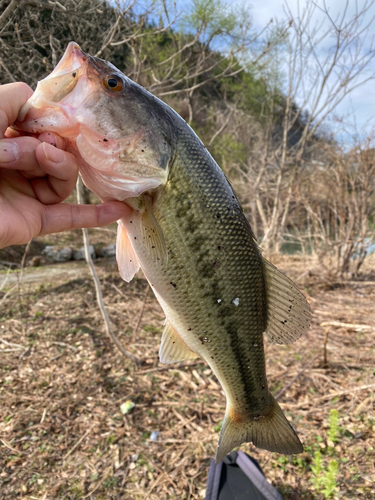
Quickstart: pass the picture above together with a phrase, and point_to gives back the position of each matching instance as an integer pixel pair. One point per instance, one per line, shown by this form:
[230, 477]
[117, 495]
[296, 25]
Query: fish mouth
[72, 60]
[54, 95]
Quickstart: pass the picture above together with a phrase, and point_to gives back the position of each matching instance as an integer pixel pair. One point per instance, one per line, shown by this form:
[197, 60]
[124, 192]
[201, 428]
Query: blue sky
[359, 106]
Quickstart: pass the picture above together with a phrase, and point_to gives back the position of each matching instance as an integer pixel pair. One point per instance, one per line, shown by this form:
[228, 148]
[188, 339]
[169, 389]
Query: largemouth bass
[187, 232]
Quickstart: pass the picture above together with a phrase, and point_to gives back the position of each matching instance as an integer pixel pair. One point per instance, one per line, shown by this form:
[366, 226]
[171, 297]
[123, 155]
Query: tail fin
[272, 432]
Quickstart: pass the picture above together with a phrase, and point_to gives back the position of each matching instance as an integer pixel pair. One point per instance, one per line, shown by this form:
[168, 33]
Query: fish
[186, 230]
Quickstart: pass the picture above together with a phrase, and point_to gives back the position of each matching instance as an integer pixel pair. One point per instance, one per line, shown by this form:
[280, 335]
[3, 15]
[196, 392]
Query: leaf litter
[64, 386]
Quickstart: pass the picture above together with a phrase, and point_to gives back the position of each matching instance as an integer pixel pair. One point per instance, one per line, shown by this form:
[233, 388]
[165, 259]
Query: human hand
[36, 175]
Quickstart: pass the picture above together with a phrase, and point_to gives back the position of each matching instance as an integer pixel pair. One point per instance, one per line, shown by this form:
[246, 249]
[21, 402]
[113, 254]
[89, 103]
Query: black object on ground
[239, 477]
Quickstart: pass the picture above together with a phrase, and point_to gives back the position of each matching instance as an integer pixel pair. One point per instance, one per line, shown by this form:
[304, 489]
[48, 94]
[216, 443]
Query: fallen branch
[343, 393]
[354, 283]
[8, 12]
[78, 443]
[325, 356]
[347, 325]
[10, 344]
[5, 443]
[172, 366]
[331, 395]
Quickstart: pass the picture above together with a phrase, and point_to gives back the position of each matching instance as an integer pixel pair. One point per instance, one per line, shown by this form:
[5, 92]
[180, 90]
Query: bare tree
[320, 63]
[337, 198]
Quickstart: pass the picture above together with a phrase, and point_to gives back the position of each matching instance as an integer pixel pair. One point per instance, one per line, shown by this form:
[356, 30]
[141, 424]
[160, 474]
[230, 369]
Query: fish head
[120, 133]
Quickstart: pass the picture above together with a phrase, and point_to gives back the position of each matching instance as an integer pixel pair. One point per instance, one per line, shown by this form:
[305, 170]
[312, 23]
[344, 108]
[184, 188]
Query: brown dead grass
[62, 382]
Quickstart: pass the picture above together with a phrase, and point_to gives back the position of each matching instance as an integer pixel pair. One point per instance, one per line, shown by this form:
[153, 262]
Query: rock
[50, 253]
[80, 254]
[53, 255]
[64, 254]
[109, 251]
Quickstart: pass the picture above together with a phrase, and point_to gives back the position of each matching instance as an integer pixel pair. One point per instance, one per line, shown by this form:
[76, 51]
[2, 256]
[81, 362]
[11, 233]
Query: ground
[63, 385]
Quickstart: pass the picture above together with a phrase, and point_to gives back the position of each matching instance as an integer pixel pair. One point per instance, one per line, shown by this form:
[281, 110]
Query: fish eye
[113, 82]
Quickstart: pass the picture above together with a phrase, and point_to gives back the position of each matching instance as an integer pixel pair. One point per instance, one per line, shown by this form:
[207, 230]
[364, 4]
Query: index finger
[12, 97]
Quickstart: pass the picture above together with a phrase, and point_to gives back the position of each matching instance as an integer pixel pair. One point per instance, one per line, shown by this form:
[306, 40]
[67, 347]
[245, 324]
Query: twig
[98, 288]
[44, 415]
[331, 395]
[8, 293]
[78, 443]
[354, 283]
[118, 291]
[5, 279]
[349, 391]
[141, 313]
[160, 472]
[96, 487]
[172, 366]
[296, 377]
[8, 12]
[7, 71]
[9, 350]
[302, 275]
[362, 406]
[64, 345]
[12, 345]
[347, 325]
[23, 261]
[325, 357]
[5, 443]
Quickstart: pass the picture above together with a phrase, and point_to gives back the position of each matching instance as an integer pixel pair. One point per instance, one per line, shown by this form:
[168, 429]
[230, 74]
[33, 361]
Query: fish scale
[187, 232]
[194, 224]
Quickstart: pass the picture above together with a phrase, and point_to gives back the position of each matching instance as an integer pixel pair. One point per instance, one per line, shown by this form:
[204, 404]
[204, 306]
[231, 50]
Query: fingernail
[8, 151]
[53, 154]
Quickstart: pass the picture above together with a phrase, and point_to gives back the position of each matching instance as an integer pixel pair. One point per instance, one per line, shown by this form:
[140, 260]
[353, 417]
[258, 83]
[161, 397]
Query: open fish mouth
[69, 75]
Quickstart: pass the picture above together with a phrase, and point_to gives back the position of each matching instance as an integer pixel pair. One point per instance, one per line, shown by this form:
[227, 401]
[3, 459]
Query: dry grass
[63, 435]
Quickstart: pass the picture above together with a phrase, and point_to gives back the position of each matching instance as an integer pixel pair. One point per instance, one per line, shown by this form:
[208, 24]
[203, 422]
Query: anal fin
[127, 261]
[172, 348]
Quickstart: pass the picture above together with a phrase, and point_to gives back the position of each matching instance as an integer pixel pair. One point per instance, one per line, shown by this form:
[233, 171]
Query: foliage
[329, 484]
[324, 480]
[317, 468]
[333, 429]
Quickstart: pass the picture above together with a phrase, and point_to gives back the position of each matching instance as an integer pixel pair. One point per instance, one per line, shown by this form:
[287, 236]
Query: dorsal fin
[288, 313]
[172, 348]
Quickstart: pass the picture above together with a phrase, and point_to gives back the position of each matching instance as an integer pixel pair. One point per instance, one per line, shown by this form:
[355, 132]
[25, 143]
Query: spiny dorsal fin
[127, 261]
[152, 234]
[288, 313]
[172, 348]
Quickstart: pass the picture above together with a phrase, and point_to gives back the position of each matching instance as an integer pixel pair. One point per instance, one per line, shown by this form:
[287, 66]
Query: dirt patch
[63, 434]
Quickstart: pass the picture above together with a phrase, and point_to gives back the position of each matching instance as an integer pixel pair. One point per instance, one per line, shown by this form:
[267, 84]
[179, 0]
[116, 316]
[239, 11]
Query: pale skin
[36, 176]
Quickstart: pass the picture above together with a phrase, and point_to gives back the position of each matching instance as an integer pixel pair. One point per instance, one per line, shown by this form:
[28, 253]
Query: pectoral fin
[288, 313]
[127, 261]
[172, 348]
